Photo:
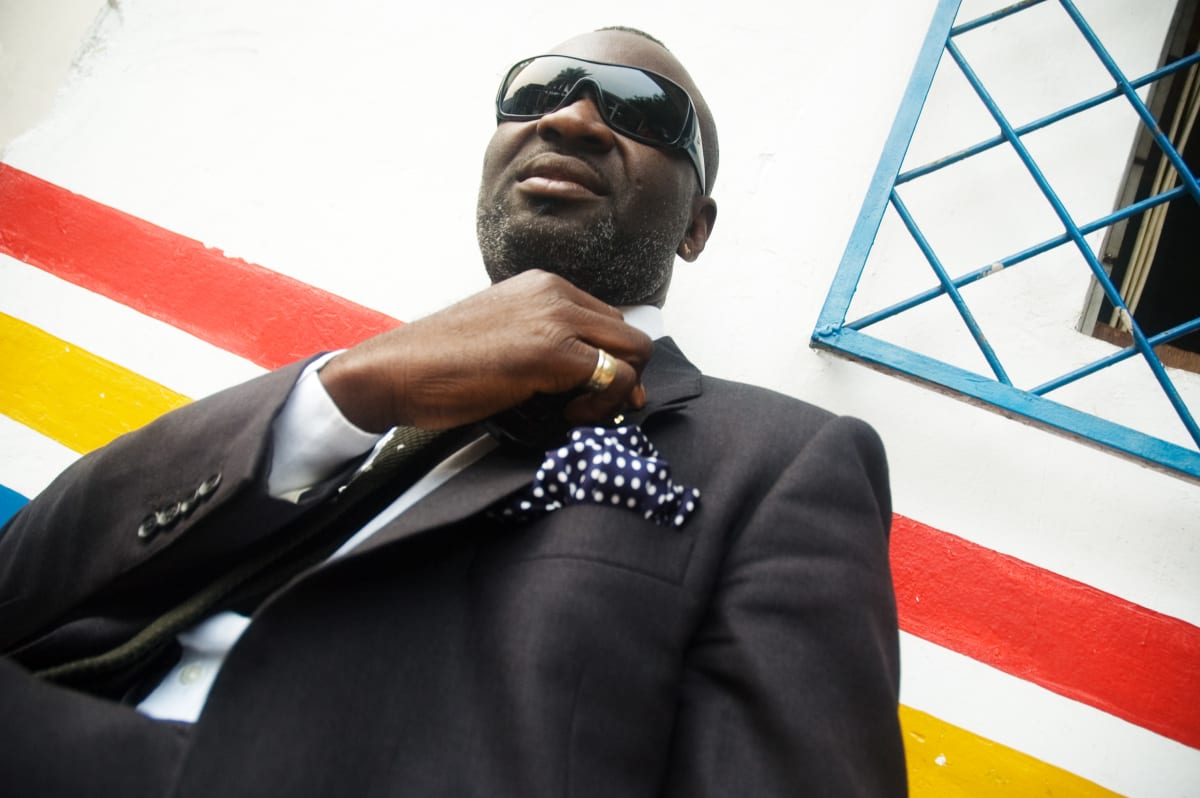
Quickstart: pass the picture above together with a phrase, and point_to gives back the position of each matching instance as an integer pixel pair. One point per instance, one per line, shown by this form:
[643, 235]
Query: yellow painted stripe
[68, 394]
[945, 761]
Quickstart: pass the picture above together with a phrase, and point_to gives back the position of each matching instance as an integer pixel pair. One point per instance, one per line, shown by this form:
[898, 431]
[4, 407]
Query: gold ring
[604, 373]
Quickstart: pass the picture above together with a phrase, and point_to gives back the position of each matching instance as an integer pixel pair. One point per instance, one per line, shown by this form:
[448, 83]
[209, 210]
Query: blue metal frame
[834, 333]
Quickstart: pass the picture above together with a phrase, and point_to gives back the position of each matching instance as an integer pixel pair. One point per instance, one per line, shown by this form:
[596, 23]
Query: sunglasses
[637, 103]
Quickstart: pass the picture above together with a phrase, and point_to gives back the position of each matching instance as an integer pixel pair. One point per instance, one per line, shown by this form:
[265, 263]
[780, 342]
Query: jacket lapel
[670, 380]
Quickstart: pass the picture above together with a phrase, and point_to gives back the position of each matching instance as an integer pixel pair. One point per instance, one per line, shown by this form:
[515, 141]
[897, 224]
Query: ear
[704, 216]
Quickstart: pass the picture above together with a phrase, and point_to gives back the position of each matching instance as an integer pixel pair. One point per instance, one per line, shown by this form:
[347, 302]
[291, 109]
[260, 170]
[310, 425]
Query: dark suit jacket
[752, 653]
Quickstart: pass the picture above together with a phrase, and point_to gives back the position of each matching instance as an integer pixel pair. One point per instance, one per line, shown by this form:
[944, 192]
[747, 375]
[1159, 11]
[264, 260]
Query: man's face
[567, 194]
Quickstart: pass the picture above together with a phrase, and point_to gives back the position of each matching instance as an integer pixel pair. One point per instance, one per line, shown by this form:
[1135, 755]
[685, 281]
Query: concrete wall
[339, 144]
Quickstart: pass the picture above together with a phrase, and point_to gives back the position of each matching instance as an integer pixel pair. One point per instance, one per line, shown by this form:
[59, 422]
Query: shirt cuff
[310, 438]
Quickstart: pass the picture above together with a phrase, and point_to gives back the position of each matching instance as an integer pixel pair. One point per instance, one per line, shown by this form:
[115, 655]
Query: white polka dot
[581, 465]
[580, 494]
[650, 489]
[690, 506]
[635, 483]
[616, 499]
[538, 492]
[597, 496]
[650, 468]
[563, 452]
[578, 447]
[636, 465]
[562, 476]
[632, 502]
[618, 480]
[525, 505]
[576, 435]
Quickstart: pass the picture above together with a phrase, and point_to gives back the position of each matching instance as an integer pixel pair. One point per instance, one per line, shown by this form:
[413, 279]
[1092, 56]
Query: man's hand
[532, 334]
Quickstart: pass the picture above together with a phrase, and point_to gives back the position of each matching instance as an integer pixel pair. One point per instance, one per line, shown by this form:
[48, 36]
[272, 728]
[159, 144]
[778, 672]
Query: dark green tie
[408, 455]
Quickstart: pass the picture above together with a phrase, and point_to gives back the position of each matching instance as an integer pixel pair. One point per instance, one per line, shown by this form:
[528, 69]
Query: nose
[578, 123]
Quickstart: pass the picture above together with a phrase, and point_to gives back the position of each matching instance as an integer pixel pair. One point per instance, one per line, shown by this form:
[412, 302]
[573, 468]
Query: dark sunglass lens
[639, 104]
[643, 106]
[655, 118]
[539, 86]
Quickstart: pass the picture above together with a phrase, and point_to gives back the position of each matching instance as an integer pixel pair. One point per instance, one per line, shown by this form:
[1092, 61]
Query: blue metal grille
[852, 338]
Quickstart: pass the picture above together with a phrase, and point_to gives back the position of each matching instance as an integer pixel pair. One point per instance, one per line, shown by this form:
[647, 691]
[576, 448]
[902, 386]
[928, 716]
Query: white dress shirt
[310, 440]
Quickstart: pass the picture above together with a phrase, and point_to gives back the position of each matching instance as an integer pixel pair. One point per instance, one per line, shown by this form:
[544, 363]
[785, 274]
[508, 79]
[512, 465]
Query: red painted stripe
[266, 317]
[1080, 642]
[1064, 635]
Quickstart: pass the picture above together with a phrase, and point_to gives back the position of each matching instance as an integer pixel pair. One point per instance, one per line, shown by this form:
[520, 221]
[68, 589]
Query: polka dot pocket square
[617, 466]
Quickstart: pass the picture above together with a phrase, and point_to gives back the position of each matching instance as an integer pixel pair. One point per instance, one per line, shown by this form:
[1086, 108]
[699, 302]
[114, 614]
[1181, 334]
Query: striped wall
[1048, 594]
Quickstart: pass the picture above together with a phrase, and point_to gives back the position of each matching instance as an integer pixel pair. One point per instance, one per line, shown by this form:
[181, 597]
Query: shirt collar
[647, 318]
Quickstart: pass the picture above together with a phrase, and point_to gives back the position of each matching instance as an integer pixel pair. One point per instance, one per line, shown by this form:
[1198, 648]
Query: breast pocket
[605, 536]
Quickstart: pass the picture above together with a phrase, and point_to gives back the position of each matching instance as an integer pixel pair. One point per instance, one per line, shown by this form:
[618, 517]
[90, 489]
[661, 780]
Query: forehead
[619, 47]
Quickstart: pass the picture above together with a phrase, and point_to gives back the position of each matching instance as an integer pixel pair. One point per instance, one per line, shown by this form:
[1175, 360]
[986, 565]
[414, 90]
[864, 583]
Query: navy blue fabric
[611, 466]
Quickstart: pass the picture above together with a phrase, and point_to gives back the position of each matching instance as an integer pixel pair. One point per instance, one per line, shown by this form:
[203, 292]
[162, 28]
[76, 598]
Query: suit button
[208, 486]
[148, 528]
[166, 516]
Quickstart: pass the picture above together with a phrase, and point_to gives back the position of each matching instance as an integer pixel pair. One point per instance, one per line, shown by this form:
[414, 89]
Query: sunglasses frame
[689, 140]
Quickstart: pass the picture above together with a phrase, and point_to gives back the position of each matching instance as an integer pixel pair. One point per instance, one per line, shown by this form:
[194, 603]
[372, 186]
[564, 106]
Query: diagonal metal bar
[1168, 149]
[862, 238]
[1085, 427]
[987, 19]
[1164, 337]
[1013, 260]
[1076, 235]
[948, 285]
[1046, 121]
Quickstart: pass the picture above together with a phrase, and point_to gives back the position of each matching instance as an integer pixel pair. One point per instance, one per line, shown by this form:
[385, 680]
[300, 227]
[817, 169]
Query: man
[474, 637]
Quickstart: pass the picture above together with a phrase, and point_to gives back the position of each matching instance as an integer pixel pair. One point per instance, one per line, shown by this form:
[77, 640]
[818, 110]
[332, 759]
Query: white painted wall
[38, 43]
[309, 137]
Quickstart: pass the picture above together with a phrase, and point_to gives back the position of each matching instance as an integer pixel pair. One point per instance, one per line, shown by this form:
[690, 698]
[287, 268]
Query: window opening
[1116, 294]
[1152, 257]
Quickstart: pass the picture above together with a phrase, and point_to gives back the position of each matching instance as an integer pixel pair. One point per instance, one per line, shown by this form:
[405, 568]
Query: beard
[618, 267]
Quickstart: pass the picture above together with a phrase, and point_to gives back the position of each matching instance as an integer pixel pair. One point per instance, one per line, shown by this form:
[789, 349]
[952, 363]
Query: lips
[552, 174]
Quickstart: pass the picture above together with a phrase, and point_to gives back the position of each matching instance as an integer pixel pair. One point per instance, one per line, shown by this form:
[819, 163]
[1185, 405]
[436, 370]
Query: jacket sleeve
[153, 509]
[790, 686]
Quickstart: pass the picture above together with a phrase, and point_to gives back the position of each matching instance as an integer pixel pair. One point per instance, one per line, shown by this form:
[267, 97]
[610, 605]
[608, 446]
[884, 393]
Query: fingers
[624, 392]
[532, 334]
[587, 319]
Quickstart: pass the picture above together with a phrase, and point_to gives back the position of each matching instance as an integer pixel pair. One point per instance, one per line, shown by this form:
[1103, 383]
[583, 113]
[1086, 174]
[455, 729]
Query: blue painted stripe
[10, 502]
